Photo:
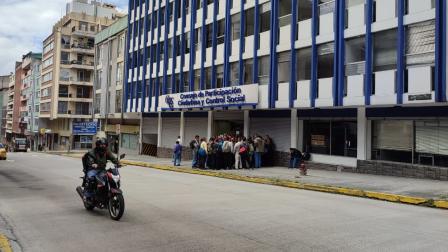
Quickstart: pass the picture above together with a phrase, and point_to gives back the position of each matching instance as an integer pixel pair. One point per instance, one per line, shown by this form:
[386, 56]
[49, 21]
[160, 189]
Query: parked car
[2, 152]
[20, 144]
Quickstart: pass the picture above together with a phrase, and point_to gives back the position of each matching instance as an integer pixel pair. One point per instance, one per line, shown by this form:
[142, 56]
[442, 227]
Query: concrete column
[364, 135]
[182, 128]
[246, 123]
[210, 125]
[294, 128]
[159, 131]
[300, 137]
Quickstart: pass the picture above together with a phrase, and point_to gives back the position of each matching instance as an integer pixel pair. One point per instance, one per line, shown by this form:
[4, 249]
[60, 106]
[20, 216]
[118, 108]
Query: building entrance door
[228, 122]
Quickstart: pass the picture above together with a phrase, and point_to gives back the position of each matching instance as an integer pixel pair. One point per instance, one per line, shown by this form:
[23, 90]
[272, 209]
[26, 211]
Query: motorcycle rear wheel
[116, 207]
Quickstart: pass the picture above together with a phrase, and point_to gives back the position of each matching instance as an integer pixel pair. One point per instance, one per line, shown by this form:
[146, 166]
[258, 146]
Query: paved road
[181, 212]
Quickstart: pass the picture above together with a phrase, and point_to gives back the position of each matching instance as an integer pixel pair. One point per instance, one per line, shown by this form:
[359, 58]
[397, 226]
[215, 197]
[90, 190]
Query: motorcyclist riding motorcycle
[95, 161]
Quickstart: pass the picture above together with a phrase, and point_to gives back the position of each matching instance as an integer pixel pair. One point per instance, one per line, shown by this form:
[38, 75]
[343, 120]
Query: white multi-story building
[354, 82]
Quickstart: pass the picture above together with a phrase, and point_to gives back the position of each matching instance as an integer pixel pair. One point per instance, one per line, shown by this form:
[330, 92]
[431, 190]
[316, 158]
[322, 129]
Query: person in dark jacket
[295, 158]
[177, 149]
[95, 161]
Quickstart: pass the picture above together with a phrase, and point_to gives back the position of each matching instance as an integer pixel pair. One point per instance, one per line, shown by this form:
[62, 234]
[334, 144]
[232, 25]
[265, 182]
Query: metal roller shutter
[229, 115]
[432, 137]
[170, 131]
[279, 129]
[393, 135]
[150, 125]
[193, 127]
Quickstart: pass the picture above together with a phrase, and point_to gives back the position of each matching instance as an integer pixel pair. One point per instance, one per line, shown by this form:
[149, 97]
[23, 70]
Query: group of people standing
[231, 152]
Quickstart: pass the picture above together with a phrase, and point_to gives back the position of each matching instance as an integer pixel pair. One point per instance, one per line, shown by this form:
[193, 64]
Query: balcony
[76, 81]
[82, 32]
[78, 64]
[82, 48]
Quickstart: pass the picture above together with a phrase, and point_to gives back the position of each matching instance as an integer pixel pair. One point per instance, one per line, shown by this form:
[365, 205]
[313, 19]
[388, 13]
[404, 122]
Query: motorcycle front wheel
[116, 207]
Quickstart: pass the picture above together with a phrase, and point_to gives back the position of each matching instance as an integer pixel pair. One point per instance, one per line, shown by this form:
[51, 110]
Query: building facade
[10, 108]
[29, 98]
[4, 94]
[353, 82]
[67, 74]
[109, 71]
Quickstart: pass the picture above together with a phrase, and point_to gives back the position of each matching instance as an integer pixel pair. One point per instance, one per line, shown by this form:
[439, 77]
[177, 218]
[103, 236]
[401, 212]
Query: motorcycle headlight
[116, 178]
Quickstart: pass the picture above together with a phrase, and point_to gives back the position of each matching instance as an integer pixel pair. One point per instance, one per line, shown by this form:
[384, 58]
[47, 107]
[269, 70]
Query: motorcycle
[106, 193]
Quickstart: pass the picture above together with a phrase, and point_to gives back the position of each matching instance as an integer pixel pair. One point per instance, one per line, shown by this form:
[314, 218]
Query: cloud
[24, 24]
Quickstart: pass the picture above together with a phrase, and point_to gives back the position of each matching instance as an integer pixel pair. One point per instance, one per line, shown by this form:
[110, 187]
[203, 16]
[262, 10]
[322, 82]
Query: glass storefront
[338, 138]
[411, 141]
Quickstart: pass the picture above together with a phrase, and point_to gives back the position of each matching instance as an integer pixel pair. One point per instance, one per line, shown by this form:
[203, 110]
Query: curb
[419, 201]
[4, 244]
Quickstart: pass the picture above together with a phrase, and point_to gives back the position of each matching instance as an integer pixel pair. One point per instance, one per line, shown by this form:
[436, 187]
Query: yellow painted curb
[297, 185]
[4, 244]
[441, 204]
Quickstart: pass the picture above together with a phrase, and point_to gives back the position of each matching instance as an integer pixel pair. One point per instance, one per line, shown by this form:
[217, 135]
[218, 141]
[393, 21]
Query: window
[64, 75]
[250, 19]
[119, 73]
[120, 46]
[82, 108]
[208, 78]
[63, 91]
[36, 108]
[385, 50]
[169, 86]
[47, 77]
[45, 107]
[355, 56]
[221, 32]
[82, 142]
[248, 71]
[305, 11]
[46, 92]
[337, 138]
[62, 107]
[265, 12]
[48, 47]
[197, 79]
[420, 44]
[186, 82]
[209, 36]
[48, 62]
[284, 12]
[220, 76]
[263, 70]
[234, 74]
[303, 64]
[118, 99]
[83, 92]
[284, 66]
[325, 60]
[235, 27]
[187, 43]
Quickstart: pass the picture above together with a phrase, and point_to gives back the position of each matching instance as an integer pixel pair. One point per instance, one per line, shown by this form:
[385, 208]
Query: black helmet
[101, 145]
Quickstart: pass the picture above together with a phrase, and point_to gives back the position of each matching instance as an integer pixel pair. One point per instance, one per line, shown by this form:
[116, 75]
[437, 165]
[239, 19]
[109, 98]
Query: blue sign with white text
[84, 128]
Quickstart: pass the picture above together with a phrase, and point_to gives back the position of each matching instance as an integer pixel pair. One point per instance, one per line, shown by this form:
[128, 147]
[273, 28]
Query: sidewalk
[395, 185]
[432, 193]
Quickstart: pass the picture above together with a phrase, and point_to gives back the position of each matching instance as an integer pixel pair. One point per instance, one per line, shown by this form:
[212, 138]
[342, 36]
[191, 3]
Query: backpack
[243, 149]
[192, 144]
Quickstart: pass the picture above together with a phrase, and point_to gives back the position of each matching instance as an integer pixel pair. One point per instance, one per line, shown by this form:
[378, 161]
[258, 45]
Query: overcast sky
[25, 23]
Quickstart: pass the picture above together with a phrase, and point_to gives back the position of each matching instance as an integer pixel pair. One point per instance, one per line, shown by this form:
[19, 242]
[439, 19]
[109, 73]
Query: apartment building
[67, 75]
[4, 93]
[10, 107]
[29, 97]
[357, 83]
[109, 71]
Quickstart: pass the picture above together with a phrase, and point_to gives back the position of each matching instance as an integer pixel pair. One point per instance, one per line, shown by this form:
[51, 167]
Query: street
[167, 211]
